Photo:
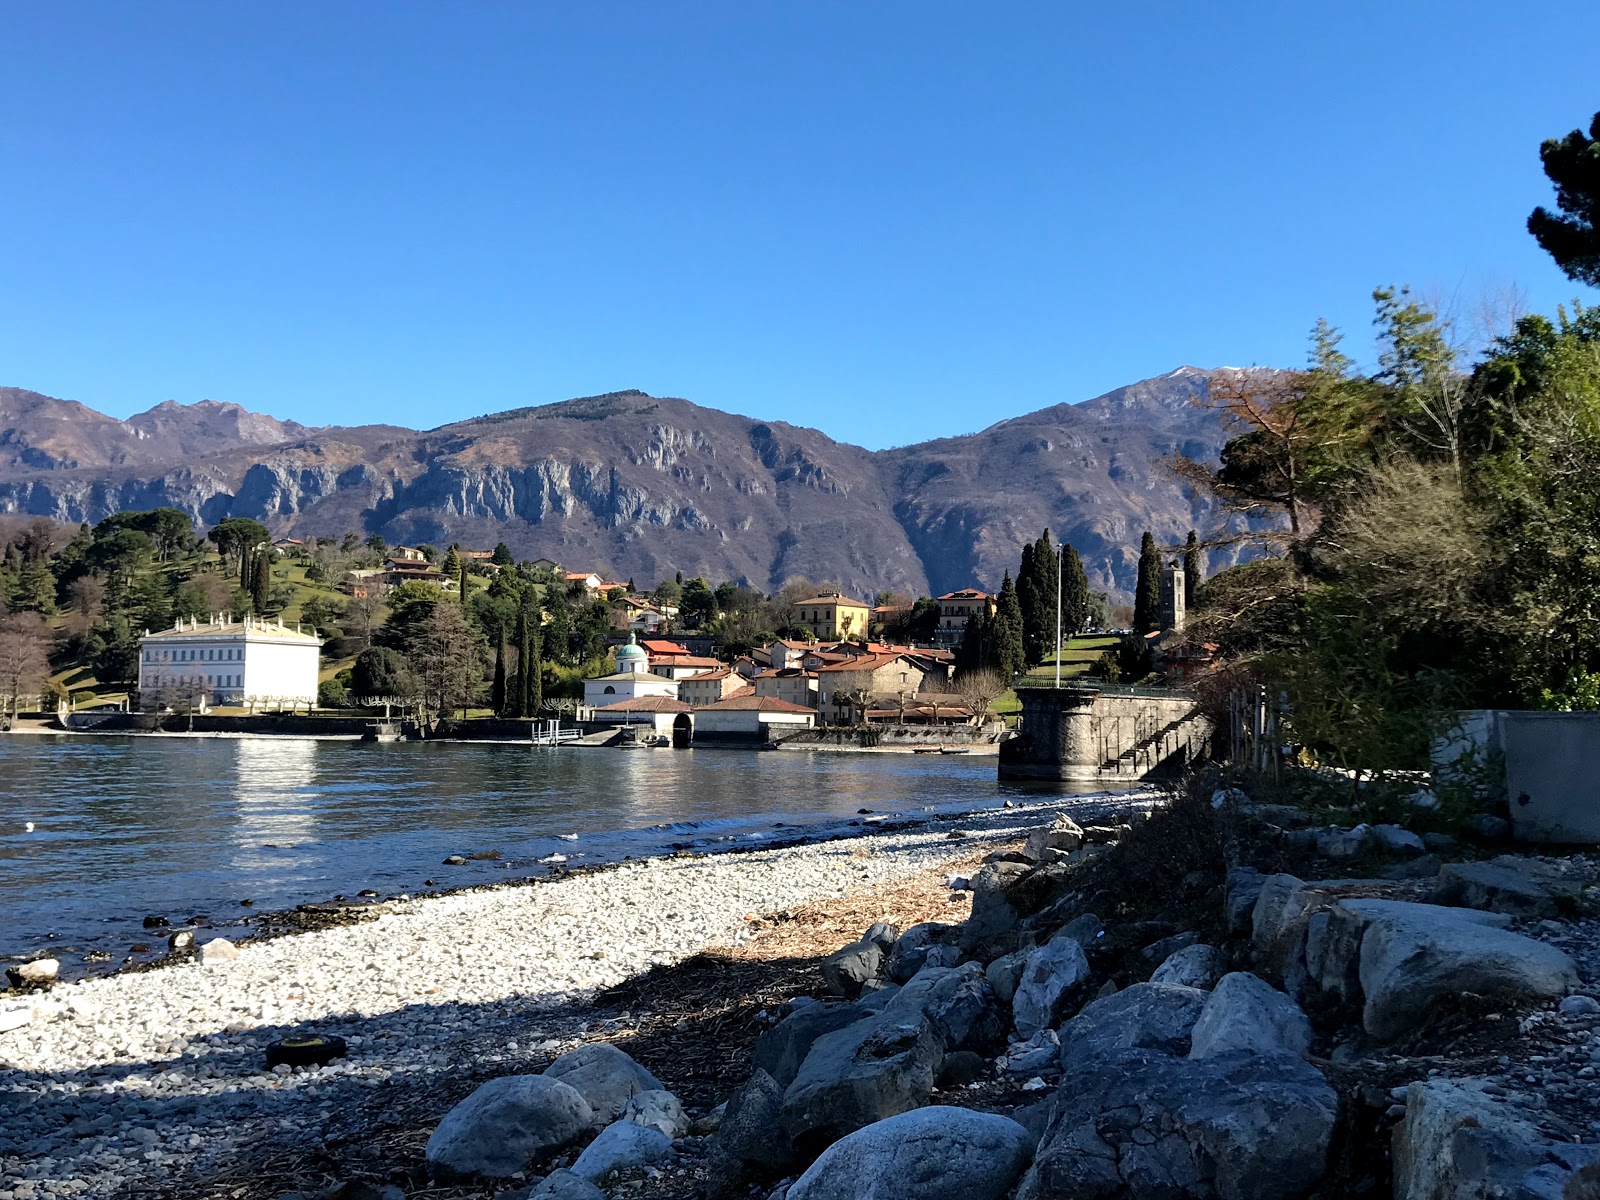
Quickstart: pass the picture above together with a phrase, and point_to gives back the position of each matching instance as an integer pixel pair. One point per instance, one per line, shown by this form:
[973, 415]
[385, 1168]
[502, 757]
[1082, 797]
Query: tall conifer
[1191, 568]
[1147, 591]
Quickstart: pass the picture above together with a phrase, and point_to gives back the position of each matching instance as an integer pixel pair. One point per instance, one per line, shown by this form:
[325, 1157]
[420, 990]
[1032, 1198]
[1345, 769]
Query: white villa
[224, 661]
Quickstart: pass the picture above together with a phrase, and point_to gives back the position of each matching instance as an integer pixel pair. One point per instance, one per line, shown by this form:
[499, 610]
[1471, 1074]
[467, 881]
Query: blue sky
[890, 220]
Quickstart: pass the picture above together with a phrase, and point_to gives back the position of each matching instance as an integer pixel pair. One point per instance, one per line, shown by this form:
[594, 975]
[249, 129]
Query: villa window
[610, 691]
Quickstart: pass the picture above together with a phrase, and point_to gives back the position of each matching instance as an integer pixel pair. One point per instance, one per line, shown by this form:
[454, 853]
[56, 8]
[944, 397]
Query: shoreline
[500, 972]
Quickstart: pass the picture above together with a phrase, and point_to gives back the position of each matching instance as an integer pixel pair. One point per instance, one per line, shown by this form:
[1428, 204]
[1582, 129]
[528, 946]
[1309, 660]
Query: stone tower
[1172, 603]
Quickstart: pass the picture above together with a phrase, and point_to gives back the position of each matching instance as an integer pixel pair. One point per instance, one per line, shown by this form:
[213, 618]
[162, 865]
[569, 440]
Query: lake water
[182, 826]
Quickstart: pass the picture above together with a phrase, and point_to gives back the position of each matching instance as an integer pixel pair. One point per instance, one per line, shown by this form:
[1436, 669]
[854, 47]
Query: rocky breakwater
[1227, 1034]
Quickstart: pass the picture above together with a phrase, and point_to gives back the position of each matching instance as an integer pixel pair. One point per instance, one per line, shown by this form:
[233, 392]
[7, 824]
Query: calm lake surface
[126, 827]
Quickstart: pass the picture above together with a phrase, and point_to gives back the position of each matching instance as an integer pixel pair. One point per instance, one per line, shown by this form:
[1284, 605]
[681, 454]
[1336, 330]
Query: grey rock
[1249, 1014]
[1580, 1006]
[1196, 966]
[659, 1110]
[1005, 972]
[992, 915]
[859, 1075]
[1085, 929]
[749, 1135]
[934, 1153]
[875, 996]
[1459, 1140]
[604, 1076]
[562, 1184]
[218, 950]
[1149, 1127]
[959, 1069]
[506, 1126]
[1398, 840]
[1062, 833]
[1039, 1055]
[1344, 843]
[780, 1050]
[1497, 886]
[1240, 891]
[1160, 951]
[957, 1000]
[1158, 1017]
[1224, 797]
[619, 1146]
[1416, 957]
[910, 951]
[1487, 828]
[844, 971]
[882, 935]
[1438, 841]
[1054, 975]
[942, 956]
[35, 972]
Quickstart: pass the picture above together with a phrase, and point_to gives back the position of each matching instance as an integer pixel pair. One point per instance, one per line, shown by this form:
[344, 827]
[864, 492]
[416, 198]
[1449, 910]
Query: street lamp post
[1060, 558]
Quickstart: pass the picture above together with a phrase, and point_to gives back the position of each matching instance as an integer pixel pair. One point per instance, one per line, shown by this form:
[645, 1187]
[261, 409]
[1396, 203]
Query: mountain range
[638, 486]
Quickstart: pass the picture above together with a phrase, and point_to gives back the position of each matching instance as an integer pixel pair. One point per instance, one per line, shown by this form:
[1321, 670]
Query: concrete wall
[1551, 764]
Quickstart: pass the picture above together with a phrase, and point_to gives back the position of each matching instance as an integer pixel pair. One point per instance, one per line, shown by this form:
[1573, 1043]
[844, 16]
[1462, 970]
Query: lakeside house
[253, 662]
[632, 680]
[866, 680]
[750, 719]
[793, 685]
[833, 615]
[710, 687]
[956, 608]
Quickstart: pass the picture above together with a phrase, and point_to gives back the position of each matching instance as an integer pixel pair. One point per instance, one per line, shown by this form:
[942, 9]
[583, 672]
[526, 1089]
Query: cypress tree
[535, 673]
[1028, 603]
[452, 563]
[969, 655]
[462, 576]
[1074, 594]
[1008, 630]
[1147, 591]
[519, 690]
[1047, 568]
[1191, 569]
[497, 697]
[261, 584]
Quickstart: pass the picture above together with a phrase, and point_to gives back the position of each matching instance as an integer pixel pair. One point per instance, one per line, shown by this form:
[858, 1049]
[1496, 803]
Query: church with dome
[632, 680]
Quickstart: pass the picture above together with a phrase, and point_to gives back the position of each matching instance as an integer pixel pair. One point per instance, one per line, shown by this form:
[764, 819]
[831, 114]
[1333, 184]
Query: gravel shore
[148, 1083]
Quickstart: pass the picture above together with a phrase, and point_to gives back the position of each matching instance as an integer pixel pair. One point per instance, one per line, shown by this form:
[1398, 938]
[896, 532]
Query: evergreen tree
[1147, 591]
[502, 555]
[261, 580]
[1028, 601]
[535, 689]
[1074, 594]
[972, 654]
[1008, 630]
[558, 633]
[497, 697]
[452, 563]
[1572, 238]
[1191, 568]
[461, 578]
[517, 704]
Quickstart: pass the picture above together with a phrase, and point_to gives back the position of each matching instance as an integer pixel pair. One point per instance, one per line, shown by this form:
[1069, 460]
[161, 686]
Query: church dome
[631, 653]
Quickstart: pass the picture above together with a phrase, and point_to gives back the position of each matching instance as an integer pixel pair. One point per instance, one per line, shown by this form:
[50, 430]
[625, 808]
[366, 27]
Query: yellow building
[833, 616]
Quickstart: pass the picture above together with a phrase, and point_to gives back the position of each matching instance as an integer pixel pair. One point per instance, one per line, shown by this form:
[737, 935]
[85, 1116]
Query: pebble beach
[132, 1083]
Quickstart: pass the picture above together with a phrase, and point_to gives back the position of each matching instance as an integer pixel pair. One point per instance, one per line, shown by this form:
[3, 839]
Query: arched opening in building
[682, 731]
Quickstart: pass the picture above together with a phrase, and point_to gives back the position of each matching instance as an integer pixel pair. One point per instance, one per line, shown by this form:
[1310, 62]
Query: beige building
[833, 616]
[956, 607]
[710, 687]
[878, 679]
[789, 684]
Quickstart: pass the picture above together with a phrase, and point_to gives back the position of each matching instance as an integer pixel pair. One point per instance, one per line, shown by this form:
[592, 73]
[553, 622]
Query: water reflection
[128, 826]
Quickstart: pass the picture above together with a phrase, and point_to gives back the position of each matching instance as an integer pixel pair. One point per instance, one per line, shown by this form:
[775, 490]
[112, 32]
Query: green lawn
[1077, 657]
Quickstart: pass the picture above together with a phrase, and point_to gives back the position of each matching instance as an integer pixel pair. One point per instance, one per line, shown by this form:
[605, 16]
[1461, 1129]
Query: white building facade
[252, 662]
[633, 680]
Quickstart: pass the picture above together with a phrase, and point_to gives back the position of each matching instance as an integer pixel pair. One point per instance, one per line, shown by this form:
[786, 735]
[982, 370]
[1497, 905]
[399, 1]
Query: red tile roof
[739, 703]
[967, 594]
[688, 660]
[660, 646]
[719, 673]
[863, 662]
[748, 689]
[647, 704]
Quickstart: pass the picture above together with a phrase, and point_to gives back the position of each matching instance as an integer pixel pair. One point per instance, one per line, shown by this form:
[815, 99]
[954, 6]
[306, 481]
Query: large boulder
[958, 1001]
[780, 1050]
[1062, 833]
[858, 1075]
[1247, 1013]
[1149, 1127]
[1196, 966]
[910, 953]
[1240, 892]
[992, 917]
[1459, 1141]
[1054, 975]
[621, 1145]
[506, 1126]
[1500, 886]
[844, 971]
[750, 1136]
[1416, 957]
[605, 1076]
[561, 1184]
[1146, 1016]
[934, 1153]
[1005, 972]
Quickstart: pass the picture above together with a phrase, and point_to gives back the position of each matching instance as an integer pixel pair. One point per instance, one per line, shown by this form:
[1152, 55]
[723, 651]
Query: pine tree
[1147, 591]
[461, 576]
[1572, 236]
[502, 555]
[1191, 568]
[970, 654]
[1040, 640]
[1008, 630]
[497, 697]
[1028, 601]
[452, 563]
[1074, 594]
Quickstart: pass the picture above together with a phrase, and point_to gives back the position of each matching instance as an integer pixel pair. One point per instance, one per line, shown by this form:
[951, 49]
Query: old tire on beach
[305, 1050]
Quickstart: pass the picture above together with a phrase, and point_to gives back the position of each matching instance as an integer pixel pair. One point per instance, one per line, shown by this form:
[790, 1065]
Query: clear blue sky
[887, 220]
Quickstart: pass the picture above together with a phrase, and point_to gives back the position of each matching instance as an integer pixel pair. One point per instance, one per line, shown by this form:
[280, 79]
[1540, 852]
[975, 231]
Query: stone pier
[1080, 733]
